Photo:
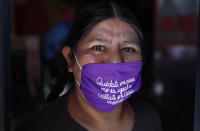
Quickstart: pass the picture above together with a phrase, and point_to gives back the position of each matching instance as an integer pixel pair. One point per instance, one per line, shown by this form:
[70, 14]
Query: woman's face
[110, 41]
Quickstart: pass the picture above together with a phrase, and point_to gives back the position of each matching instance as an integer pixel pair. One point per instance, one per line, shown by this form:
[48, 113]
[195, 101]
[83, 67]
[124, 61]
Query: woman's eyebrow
[103, 40]
[136, 42]
[100, 40]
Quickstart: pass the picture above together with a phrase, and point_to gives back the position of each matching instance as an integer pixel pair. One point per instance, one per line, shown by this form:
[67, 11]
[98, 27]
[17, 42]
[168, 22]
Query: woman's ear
[66, 53]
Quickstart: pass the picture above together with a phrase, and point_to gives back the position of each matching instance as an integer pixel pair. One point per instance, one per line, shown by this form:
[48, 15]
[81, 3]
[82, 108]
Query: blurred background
[170, 28]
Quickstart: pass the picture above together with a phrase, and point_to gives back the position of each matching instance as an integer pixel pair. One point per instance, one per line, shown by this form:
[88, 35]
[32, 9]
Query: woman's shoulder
[53, 116]
[146, 116]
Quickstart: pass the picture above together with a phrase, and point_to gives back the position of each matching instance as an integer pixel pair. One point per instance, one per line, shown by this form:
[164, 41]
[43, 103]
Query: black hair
[92, 14]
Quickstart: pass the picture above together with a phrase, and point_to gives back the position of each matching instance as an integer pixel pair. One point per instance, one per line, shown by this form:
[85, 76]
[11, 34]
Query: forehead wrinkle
[118, 24]
[132, 40]
[126, 42]
[106, 32]
[103, 40]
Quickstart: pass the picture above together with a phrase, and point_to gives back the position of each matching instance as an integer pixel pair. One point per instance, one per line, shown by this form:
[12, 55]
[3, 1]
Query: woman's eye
[128, 49]
[98, 48]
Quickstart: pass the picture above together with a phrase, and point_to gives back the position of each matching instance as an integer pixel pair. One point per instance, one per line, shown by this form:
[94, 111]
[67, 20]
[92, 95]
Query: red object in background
[177, 29]
[68, 16]
[175, 24]
[167, 23]
[186, 24]
[28, 19]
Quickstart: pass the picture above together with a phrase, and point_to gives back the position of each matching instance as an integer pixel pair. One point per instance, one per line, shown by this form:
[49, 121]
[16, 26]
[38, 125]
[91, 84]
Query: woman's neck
[86, 115]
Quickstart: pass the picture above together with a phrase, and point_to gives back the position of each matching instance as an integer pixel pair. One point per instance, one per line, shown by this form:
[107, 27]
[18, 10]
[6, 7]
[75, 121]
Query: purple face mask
[106, 85]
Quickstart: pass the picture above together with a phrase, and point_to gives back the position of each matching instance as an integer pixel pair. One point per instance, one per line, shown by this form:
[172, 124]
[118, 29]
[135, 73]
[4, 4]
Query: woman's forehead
[113, 29]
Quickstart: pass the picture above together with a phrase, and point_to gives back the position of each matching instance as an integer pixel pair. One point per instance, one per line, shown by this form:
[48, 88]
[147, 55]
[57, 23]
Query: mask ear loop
[77, 60]
[78, 66]
[77, 82]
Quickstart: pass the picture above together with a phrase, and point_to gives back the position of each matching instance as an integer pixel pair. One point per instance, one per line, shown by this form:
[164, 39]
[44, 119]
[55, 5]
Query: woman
[104, 53]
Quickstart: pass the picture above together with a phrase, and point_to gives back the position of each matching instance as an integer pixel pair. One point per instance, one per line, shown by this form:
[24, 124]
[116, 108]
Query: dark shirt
[55, 117]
